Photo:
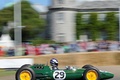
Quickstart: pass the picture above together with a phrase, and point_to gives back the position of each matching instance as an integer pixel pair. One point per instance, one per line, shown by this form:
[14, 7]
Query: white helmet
[54, 62]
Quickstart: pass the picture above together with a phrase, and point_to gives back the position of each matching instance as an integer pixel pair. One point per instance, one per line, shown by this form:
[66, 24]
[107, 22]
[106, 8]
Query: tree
[81, 26]
[5, 15]
[78, 24]
[34, 25]
[93, 26]
[111, 26]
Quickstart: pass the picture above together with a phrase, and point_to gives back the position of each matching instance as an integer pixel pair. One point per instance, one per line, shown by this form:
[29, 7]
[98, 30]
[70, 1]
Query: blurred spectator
[26, 52]
[30, 49]
[2, 53]
[103, 45]
[91, 46]
[54, 46]
[82, 45]
[113, 46]
[37, 50]
[59, 49]
[118, 45]
[11, 51]
[75, 47]
[42, 47]
[49, 50]
[66, 47]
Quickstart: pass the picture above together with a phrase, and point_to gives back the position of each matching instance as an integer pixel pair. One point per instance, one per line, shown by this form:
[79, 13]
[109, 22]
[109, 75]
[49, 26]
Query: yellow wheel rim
[25, 75]
[92, 75]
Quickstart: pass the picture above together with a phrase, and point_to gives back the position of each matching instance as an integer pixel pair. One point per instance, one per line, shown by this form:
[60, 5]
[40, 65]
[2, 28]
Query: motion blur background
[58, 26]
[36, 28]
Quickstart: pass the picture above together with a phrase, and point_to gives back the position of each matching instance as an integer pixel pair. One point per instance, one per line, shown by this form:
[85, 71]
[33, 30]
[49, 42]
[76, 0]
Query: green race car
[44, 72]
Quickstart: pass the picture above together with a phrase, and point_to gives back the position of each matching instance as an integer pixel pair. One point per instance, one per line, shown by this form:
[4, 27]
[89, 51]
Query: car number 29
[59, 75]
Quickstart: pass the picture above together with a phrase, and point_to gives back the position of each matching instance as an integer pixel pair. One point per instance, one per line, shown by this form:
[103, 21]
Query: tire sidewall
[17, 75]
[25, 65]
[89, 66]
[88, 69]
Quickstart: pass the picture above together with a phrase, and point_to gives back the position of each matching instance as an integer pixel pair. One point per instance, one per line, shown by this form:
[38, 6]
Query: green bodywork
[44, 72]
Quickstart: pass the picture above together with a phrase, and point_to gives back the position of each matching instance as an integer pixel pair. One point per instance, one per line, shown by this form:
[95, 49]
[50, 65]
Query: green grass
[6, 73]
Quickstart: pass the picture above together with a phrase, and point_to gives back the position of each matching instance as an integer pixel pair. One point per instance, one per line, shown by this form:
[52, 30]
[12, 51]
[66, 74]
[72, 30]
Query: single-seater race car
[44, 72]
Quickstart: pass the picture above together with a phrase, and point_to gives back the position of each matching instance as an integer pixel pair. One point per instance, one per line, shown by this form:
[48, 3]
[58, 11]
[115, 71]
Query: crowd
[80, 46]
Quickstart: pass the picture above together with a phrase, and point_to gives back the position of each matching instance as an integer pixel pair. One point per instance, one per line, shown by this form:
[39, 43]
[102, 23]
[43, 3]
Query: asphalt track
[114, 69]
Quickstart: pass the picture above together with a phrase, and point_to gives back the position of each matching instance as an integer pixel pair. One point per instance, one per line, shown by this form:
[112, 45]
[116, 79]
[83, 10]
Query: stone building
[61, 20]
[61, 16]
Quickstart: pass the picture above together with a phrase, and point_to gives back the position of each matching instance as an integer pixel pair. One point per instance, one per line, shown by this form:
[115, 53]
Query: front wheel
[25, 73]
[25, 65]
[91, 74]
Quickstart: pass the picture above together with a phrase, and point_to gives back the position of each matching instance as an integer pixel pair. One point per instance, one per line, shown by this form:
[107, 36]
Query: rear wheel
[25, 73]
[91, 74]
[87, 66]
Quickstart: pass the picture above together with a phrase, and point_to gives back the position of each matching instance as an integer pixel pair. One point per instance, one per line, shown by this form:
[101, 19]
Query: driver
[54, 64]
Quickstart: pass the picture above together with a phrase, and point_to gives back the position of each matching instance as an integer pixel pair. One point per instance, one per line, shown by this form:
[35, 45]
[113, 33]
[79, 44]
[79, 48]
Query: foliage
[34, 25]
[6, 73]
[78, 24]
[37, 41]
[5, 15]
[94, 27]
[111, 26]
[89, 28]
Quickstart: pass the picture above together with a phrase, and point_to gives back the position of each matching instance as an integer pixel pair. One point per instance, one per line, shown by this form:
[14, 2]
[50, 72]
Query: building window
[60, 1]
[60, 18]
[61, 37]
[85, 18]
[101, 17]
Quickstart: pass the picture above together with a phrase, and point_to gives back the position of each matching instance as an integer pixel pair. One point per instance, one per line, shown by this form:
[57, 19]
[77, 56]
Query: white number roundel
[59, 75]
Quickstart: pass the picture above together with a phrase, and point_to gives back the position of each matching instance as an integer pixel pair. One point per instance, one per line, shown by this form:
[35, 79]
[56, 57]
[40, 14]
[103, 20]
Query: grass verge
[6, 73]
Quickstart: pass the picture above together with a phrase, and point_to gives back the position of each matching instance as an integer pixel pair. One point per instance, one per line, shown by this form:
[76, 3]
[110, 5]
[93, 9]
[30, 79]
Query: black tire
[25, 65]
[87, 66]
[97, 74]
[26, 69]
